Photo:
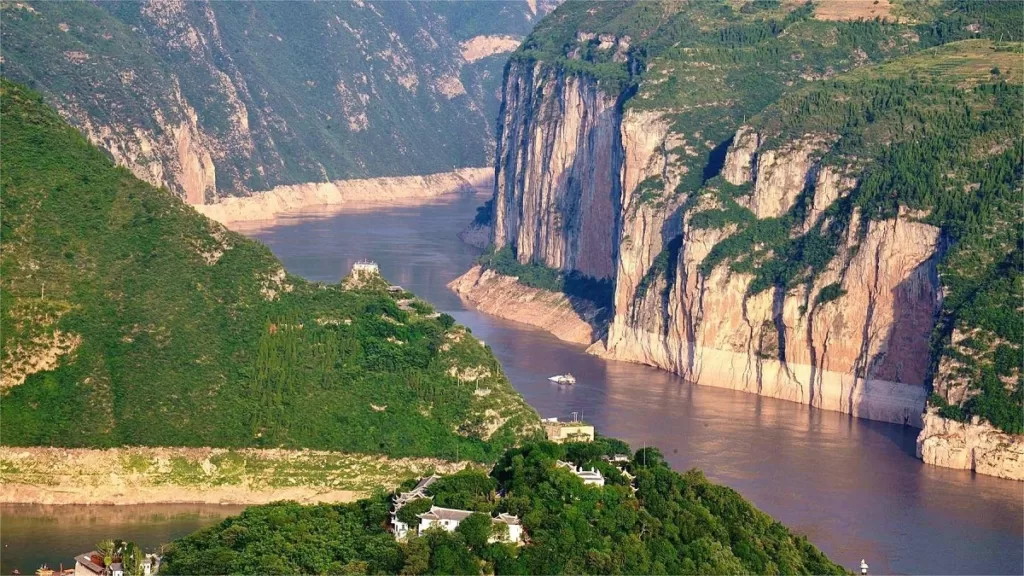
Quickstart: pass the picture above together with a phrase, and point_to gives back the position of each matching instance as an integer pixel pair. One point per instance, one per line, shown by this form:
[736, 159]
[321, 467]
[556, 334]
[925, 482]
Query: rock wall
[864, 353]
[970, 446]
[582, 186]
[267, 205]
[557, 170]
[212, 99]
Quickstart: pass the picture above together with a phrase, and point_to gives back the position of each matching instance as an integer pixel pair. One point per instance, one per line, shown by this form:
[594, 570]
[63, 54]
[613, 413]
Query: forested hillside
[219, 98]
[674, 524]
[127, 318]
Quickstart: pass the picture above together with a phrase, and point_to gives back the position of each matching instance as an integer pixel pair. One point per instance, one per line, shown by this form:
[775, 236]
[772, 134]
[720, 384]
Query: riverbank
[380, 191]
[570, 319]
[136, 475]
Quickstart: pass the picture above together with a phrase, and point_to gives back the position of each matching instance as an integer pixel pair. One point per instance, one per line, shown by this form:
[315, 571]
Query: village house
[419, 491]
[590, 477]
[560, 432]
[449, 519]
[446, 518]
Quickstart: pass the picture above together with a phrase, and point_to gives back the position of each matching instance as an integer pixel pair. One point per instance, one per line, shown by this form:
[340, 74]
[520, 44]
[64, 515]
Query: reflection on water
[34, 535]
[852, 486]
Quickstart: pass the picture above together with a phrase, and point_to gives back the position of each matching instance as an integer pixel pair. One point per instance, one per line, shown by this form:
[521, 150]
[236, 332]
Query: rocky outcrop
[864, 352]
[970, 446]
[557, 174]
[479, 47]
[568, 318]
[267, 205]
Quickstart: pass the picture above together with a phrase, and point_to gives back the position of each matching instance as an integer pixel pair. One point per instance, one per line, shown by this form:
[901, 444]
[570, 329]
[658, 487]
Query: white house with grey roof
[450, 518]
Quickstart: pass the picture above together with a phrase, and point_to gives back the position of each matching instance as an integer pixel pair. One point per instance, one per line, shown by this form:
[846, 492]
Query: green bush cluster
[191, 335]
[674, 524]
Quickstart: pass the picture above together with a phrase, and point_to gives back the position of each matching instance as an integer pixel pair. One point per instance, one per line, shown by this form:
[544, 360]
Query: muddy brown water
[852, 486]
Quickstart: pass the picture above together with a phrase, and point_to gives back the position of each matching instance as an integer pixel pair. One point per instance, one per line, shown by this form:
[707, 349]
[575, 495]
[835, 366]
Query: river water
[852, 486]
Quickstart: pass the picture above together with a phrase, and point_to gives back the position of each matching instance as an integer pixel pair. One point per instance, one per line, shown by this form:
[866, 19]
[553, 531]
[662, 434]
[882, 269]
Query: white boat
[566, 378]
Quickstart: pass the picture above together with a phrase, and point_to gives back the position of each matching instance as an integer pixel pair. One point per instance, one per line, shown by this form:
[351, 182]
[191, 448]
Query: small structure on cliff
[449, 519]
[574, 431]
[365, 274]
[401, 529]
[368, 267]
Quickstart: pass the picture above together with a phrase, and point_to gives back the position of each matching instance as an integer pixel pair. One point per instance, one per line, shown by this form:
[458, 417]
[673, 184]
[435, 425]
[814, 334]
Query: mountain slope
[213, 99]
[800, 207]
[128, 318]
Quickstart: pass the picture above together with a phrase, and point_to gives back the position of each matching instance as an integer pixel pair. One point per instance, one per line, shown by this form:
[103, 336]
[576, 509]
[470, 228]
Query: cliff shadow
[904, 354]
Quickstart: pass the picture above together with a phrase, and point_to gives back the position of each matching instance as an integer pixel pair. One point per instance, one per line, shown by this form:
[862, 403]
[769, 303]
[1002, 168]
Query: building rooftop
[86, 561]
[424, 483]
[438, 513]
[507, 519]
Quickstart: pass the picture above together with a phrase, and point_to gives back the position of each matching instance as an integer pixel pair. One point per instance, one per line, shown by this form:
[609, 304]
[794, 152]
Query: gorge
[761, 235]
[764, 236]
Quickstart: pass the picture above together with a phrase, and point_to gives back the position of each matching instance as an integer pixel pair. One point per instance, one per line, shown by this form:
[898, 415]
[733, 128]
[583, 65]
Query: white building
[446, 518]
[365, 267]
[419, 491]
[590, 477]
[450, 518]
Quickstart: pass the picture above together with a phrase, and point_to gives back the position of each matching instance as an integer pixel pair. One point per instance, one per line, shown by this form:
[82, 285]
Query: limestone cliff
[864, 352]
[214, 99]
[970, 446]
[557, 170]
[768, 232]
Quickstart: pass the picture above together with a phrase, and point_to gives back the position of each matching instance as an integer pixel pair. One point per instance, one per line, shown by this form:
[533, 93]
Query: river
[852, 486]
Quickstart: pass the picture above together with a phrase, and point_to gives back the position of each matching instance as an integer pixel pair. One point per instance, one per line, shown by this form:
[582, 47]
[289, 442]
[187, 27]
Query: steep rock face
[781, 175]
[970, 446]
[557, 170]
[864, 353]
[217, 99]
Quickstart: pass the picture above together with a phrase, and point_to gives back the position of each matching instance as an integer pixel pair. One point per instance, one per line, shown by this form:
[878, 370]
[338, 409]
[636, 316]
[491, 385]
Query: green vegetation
[281, 93]
[675, 524]
[171, 331]
[503, 261]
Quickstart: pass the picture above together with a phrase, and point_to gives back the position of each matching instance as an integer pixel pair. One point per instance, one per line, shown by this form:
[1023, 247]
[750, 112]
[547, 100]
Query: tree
[410, 512]
[106, 550]
[476, 530]
[417, 556]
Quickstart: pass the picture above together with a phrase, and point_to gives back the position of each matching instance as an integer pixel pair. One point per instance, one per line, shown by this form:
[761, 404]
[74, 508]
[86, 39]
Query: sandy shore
[334, 196]
[128, 476]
